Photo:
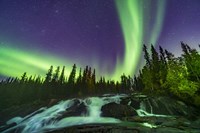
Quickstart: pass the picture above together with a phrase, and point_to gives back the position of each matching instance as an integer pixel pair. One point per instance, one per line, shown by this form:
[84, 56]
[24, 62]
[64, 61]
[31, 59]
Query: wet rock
[117, 110]
[149, 119]
[135, 103]
[21, 111]
[159, 105]
[118, 128]
[7, 126]
[166, 106]
[52, 102]
[125, 100]
[92, 128]
[13, 130]
[78, 109]
[176, 123]
[169, 130]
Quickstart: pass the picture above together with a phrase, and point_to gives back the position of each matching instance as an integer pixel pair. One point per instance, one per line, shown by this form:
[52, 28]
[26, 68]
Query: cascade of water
[151, 108]
[46, 118]
[94, 105]
[143, 112]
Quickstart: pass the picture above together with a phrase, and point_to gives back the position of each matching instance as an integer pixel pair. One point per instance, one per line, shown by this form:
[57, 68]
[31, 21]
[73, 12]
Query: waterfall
[46, 119]
[94, 105]
[74, 112]
[142, 111]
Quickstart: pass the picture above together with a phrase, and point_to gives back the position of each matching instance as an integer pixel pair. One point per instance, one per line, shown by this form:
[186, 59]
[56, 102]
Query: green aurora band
[15, 62]
[132, 15]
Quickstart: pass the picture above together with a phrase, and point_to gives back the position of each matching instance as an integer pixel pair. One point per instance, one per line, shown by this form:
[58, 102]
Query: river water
[52, 118]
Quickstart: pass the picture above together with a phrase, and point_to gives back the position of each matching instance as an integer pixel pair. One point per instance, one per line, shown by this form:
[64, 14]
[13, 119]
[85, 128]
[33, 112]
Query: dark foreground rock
[22, 110]
[138, 114]
[96, 128]
[117, 110]
[161, 105]
[78, 109]
[120, 128]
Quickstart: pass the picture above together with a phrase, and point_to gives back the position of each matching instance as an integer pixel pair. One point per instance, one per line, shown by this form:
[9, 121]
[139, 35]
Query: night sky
[105, 34]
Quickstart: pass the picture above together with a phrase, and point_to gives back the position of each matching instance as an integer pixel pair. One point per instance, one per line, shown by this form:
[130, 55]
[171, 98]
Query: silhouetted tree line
[55, 85]
[165, 74]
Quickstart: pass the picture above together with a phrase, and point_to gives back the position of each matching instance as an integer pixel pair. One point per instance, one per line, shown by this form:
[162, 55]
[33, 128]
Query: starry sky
[105, 34]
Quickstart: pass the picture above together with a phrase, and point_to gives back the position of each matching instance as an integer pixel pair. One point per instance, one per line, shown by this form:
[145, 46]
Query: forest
[24, 89]
[163, 74]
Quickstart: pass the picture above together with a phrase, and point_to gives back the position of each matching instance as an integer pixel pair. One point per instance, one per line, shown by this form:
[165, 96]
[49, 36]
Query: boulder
[166, 106]
[135, 103]
[52, 102]
[117, 110]
[77, 109]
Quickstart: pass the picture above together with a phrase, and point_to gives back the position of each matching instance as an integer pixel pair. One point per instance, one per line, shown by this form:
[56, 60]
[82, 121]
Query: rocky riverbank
[110, 113]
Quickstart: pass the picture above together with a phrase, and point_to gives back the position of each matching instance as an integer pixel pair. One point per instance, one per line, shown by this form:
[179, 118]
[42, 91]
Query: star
[57, 11]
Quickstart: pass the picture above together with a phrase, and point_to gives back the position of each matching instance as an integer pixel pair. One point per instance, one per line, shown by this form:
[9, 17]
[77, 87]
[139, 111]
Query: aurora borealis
[105, 34]
[15, 61]
[133, 21]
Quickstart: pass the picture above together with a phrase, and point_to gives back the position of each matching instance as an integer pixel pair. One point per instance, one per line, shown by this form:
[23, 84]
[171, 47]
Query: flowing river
[88, 111]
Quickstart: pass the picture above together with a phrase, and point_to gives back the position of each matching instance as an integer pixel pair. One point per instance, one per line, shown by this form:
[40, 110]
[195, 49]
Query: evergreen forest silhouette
[163, 74]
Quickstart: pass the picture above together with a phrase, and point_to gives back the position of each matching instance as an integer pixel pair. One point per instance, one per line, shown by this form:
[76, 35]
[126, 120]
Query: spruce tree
[23, 78]
[48, 77]
[155, 68]
[192, 61]
[146, 55]
[72, 75]
[169, 55]
[162, 55]
[94, 77]
[62, 76]
[163, 66]
[56, 75]
[79, 79]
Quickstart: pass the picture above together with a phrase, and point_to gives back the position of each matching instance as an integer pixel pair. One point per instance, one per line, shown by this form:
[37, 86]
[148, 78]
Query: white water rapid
[46, 119]
[136, 111]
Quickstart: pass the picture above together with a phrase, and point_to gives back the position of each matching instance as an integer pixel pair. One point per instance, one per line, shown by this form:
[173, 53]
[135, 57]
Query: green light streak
[14, 62]
[132, 18]
[135, 25]
[160, 11]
